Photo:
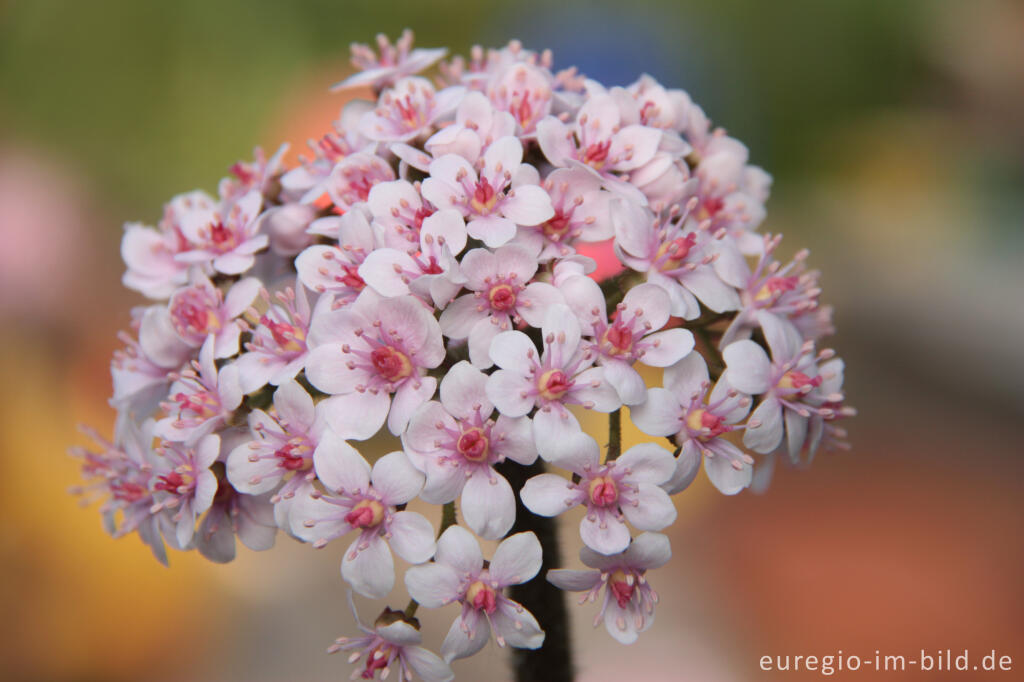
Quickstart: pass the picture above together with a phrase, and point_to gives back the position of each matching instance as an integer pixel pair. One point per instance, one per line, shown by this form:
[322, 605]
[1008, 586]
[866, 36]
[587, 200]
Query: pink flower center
[473, 444]
[127, 491]
[366, 514]
[173, 482]
[202, 404]
[412, 118]
[294, 455]
[484, 197]
[621, 587]
[553, 384]
[192, 316]
[376, 660]
[602, 491]
[618, 339]
[221, 236]
[556, 228]
[596, 154]
[351, 277]
[701, 419]
[502, 297]
[288, 336]
[798, 380]
[392, 364]
[710, 207]
[775, 285]
[482, 597]
[673, 253]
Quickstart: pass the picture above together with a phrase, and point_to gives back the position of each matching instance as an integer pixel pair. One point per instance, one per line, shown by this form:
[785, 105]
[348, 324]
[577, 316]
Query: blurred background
[894, 133]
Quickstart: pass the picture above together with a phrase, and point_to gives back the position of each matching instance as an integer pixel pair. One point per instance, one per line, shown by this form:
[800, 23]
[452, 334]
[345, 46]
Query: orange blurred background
[894, 134]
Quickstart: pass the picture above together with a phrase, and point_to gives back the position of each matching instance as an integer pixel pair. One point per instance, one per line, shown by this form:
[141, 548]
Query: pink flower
[503, 296]
[525, 91]
[151, 255]
[139, 381]
[392, 63]
[674, 258]
[581, 213]
[120, 474]
[249, 517]
[277, 350]
[255, 175]
[398, 212]
[182, 481]
[787, 291]
[392, 643]
[226, 236]
[458, 575]
[627, 607]
[598, 143]
[201, 309]
[787, 381]
[363, 501]
[431, 272]
[456, 444]
[649, 103]
[200, 400]
[335, 269]
[503, 195]
[286, 227]
[308, 181]
[633, 335]
[477, 125]
[624, 489]
[368, 351]
[280, 455]
[352, 178]
[699, 423]
[561, 376]
[407, 110]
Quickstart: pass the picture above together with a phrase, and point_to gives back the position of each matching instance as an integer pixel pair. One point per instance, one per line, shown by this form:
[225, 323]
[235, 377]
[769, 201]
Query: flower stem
[614, 435]
[553, 661]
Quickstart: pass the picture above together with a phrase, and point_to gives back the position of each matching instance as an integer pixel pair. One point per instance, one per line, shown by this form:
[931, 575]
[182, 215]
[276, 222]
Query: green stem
[614, 435]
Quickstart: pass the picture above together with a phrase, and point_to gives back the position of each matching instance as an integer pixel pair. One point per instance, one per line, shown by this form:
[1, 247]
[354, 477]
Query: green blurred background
[894, 133]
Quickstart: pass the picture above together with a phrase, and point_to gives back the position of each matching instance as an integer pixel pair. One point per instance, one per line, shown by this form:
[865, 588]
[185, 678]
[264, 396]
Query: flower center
[484, 197]
[366, 514]
[710, 207]
[556, 228]
[377, 659]
[502, 297]
[602, 491]
[672, 254]
[797, 380]
[701, 419]
[288, 337]
[621, 587]
[202, 404]
[482, 597]
[193, 317]
[222, 237]
[596, 154]
[393, 365]
[293, 455]
[351, 277]
[473, 444]
[173, 482]
[553, 384]
[775, 285]
[618, 339]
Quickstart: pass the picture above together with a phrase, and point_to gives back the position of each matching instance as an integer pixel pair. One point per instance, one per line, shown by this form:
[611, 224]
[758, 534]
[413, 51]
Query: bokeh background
[894, 132]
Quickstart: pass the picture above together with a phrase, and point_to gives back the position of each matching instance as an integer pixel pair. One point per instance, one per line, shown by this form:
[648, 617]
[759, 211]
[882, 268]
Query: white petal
[549, 495]
[659, 415]
[339, 465]
[488, 504]
[650, 508]
[464, 390]
[459, 549]
[687, 466]
[572, 580]
[427, 665]
[516, 560]
[412, 537]
[516, 626]
[686, 377]
[507, 390]
[649, 550]
[668, 347]
[408, 398]
[396, 479]
[604, 533]
[458, 644]
[647, 463]
[748, 365]
[528, 205]
[432, 585]
[371, 572]
[725, 477]
[767, 435]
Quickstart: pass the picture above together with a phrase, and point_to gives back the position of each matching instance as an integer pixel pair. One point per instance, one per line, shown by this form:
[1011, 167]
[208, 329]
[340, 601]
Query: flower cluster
[421, 273]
